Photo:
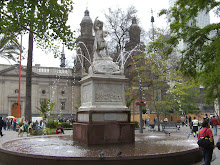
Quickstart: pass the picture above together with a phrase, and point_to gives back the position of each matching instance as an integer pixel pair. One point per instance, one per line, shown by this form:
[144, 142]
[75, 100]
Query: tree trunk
[158, 121]
[29, 77]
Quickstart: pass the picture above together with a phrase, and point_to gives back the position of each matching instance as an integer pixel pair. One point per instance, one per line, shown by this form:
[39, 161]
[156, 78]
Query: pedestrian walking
[207, 152]
[195, 124]
[190, 122]
[14, 125]
[8, 124]
[1, 125]
[214, 123]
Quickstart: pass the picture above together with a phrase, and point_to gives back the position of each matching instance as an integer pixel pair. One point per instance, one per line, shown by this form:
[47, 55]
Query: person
[14, 125]
[165, 120]
[21, 130]
[195, 124]
[4, 124]
[148, 122]
[190, 122]
[8, 124]
[1, 125]
[206, 132]
[183, 120]
[214, 123]
[41, 125]
[206, 118]
[59, 130]
[36, 124]
[30, 128]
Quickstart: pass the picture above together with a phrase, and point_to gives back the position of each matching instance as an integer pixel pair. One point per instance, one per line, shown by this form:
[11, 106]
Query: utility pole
[140, 107]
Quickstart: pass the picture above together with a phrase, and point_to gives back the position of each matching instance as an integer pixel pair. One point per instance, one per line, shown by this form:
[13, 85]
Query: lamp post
[140, 107]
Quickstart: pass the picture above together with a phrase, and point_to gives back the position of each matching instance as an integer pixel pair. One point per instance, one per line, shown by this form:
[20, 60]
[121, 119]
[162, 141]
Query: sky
[98, 8]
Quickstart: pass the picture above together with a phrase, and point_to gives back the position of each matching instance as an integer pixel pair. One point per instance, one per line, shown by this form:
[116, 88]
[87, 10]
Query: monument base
[105, 133]
[103, 127]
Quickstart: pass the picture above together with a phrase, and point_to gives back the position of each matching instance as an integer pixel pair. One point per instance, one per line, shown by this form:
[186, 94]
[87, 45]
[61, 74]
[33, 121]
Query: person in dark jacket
[1, 125]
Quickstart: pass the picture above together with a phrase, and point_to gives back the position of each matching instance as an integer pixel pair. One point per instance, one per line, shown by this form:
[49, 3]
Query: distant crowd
[22, 126]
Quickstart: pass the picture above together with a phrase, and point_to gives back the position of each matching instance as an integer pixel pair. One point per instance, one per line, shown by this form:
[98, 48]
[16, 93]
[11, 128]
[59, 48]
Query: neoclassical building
[57, 84]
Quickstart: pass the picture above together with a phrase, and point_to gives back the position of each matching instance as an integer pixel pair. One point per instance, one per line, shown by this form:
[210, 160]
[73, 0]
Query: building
[57, 84]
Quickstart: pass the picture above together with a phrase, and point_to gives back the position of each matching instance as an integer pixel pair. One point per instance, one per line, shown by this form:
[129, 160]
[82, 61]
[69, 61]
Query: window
[62, 105]
[43, 91]
[63, 92]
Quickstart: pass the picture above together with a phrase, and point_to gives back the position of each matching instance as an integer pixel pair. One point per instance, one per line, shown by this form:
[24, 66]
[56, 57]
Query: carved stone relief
[108, 92]
[86, 93]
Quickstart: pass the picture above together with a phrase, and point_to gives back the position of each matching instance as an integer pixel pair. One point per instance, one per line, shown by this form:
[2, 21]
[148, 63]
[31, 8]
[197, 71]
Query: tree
[185, 96]
[117, 24]
[45, 21]
[46, 106]
[9, 47]
[158, 73]
[200, 58]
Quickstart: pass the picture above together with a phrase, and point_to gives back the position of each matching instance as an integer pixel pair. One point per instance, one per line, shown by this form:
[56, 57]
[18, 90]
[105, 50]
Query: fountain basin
[173, 152]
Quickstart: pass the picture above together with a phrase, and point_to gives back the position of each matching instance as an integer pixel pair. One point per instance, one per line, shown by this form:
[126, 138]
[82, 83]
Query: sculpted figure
[99, 43]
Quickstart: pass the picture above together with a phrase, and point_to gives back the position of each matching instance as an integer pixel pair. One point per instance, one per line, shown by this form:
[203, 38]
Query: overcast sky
[98, 8]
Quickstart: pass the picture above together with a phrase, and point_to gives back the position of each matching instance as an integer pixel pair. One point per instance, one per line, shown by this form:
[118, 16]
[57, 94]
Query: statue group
[102, 62]
[100, 46]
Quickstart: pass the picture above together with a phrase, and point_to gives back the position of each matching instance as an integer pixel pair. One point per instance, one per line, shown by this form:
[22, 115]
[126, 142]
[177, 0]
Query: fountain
[103, 134]
[103, 117]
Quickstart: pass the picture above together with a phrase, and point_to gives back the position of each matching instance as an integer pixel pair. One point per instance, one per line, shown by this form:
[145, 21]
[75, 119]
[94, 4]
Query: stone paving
[12, 135]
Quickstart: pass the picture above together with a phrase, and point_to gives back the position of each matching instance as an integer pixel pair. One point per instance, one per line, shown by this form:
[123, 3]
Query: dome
[86, 17]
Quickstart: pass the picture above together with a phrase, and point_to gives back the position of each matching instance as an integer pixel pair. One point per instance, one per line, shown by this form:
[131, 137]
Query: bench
[170, 126]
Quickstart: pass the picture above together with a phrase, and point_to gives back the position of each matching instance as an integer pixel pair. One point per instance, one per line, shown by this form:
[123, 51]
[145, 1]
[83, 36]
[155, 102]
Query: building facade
[56, 84]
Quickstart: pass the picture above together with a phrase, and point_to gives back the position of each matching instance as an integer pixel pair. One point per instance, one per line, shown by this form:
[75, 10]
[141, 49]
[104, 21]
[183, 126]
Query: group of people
[9, 124]
[213, 122]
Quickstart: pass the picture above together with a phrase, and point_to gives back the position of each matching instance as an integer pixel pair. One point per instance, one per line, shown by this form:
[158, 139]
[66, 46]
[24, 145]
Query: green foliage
[200, 59]
[46, 106]
[136, 124]
[37, 132]
[47, 131]
[9, 47]
[47, 19]
[185, 97]
[52, 125]
[66, 125]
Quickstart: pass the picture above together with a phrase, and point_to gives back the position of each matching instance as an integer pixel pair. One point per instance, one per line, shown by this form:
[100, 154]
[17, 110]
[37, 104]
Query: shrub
[136, 124]
[52, 125]
[37, 132]
[48, 131]
[66, 125]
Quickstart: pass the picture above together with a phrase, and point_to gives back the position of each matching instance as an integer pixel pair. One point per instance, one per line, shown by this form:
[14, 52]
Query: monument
[103, 117]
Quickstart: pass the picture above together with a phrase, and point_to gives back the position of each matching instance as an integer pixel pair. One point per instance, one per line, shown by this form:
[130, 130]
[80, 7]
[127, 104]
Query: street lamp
[140, 107]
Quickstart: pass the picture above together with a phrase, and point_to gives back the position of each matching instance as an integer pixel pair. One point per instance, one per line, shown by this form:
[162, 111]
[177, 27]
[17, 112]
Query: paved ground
[184, 132]
[11, 135]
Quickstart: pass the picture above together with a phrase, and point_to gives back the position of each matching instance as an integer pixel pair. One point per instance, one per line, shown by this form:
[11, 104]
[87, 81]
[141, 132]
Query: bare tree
[117, 24]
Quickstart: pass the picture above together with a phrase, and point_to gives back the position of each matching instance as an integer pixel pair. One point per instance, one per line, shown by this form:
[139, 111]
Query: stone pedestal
[103, 117]
[103, 132]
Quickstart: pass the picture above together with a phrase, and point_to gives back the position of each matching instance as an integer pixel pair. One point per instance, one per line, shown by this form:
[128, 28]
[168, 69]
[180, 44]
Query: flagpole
[19, 88]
